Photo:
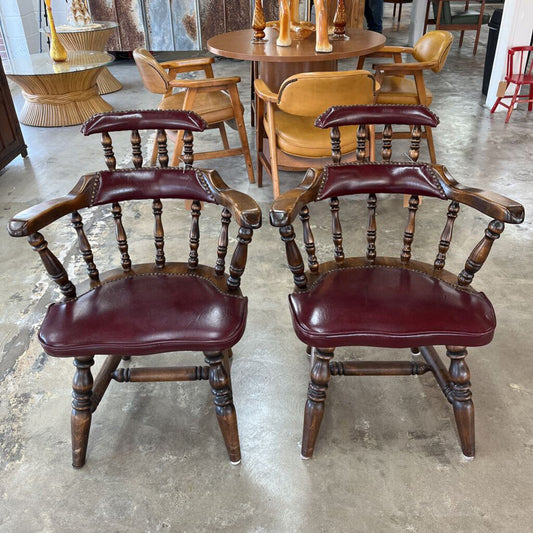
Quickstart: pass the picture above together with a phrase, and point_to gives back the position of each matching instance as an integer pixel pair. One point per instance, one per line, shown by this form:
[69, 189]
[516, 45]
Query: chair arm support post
[481, 251]
[239, 257]
[53, 266]
[214, 84]
[294, 257]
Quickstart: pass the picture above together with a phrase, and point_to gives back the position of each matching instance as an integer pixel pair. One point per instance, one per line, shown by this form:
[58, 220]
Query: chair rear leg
[530, 103]
[223, 135]
[461, 398]
[80, 420]
[223, 399]
[316, 397]
[241, 128]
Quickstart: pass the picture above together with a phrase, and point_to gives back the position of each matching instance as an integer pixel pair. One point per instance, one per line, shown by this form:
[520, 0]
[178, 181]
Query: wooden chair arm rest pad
[181, 63]
[263, 91]
[43, 214]
[403, 68]
[205, 83]
[244, 208]
[487, 202]
[287, 206]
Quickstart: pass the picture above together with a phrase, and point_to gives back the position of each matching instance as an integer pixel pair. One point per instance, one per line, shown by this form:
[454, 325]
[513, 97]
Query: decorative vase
[322, 42]
[57, 50]
[258, 23]
[339, 21]
[284, 38]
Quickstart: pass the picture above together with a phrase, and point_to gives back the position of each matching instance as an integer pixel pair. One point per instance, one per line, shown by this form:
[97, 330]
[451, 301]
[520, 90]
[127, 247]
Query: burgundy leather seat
[390, 307]
[139, 316]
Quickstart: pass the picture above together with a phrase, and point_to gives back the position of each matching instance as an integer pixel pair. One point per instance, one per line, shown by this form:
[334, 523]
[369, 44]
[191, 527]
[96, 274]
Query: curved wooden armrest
[403, 68]
[41, 215]
[244, 208]
[214, 83]
[287, 206]
[490, 203]
[263, 91]
[181, 64]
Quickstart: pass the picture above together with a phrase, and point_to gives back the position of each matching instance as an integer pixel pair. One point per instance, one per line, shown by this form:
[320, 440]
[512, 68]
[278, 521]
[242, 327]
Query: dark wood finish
[316, 284]
[11, 139]
[113, 188]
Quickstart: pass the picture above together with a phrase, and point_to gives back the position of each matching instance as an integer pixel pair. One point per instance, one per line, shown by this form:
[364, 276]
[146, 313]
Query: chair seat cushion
[398, 90]
[145, 314]
[213, 107]
[297, 135]
[390, 307]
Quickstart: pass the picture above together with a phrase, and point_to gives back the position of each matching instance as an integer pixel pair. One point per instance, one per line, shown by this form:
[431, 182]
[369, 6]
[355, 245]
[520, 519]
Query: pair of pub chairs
[161, 306]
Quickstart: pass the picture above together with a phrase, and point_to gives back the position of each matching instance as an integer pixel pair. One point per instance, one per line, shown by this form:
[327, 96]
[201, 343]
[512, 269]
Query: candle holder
[339, 22]
[258, 24]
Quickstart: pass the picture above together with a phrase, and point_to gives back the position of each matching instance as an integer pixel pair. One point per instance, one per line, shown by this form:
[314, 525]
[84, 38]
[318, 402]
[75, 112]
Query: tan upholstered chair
[430, 52]
[293, 140]
[216, 100]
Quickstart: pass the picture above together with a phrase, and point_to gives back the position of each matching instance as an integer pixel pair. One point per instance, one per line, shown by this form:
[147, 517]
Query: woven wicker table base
[62, 99]
[92, 39]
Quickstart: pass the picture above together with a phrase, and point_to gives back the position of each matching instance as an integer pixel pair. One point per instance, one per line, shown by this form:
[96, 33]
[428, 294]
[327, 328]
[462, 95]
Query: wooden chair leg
[461, 397]
[530, 102]
[476, 40]
[80, 420]
[273, 148]
[316, 397]
[461, 39]
[223, 135]
[431, 146]
[241, 128]
[259, 136]
[512, 104]
[223, 399]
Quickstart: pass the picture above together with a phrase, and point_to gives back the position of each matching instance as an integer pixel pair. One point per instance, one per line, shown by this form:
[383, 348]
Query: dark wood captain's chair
[382, 301]
[145, 308]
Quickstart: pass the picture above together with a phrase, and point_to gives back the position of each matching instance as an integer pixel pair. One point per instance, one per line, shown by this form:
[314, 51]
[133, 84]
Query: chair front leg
[463, 407]
[316, 397]
[80, 420]
[223, 399]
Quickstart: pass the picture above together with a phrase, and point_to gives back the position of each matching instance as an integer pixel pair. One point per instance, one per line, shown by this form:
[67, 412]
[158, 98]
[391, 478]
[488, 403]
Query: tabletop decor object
[79, 13]
[57, 50]
[299, 31]
[322, 42]
[284, 38]
[258, 23]
[339, 22]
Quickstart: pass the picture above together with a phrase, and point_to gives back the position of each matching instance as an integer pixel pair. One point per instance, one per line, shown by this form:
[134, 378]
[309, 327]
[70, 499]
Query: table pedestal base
[63, 99]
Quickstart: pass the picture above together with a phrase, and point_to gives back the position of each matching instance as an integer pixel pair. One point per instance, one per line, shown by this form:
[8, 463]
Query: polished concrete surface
[387, 458]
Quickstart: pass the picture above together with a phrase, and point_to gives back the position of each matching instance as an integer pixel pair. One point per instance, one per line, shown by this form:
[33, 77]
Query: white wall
[20, 20]
[515, 30]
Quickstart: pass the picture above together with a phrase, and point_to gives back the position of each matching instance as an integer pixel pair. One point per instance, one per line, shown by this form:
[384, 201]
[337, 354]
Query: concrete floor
[387, 458]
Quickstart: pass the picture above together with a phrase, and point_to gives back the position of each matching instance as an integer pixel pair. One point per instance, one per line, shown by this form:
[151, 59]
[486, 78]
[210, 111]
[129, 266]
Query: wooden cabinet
[11, 140]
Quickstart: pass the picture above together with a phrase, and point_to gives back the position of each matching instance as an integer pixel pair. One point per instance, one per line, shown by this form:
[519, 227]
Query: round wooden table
[59, 94]
[91, 37]
[277, 63]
